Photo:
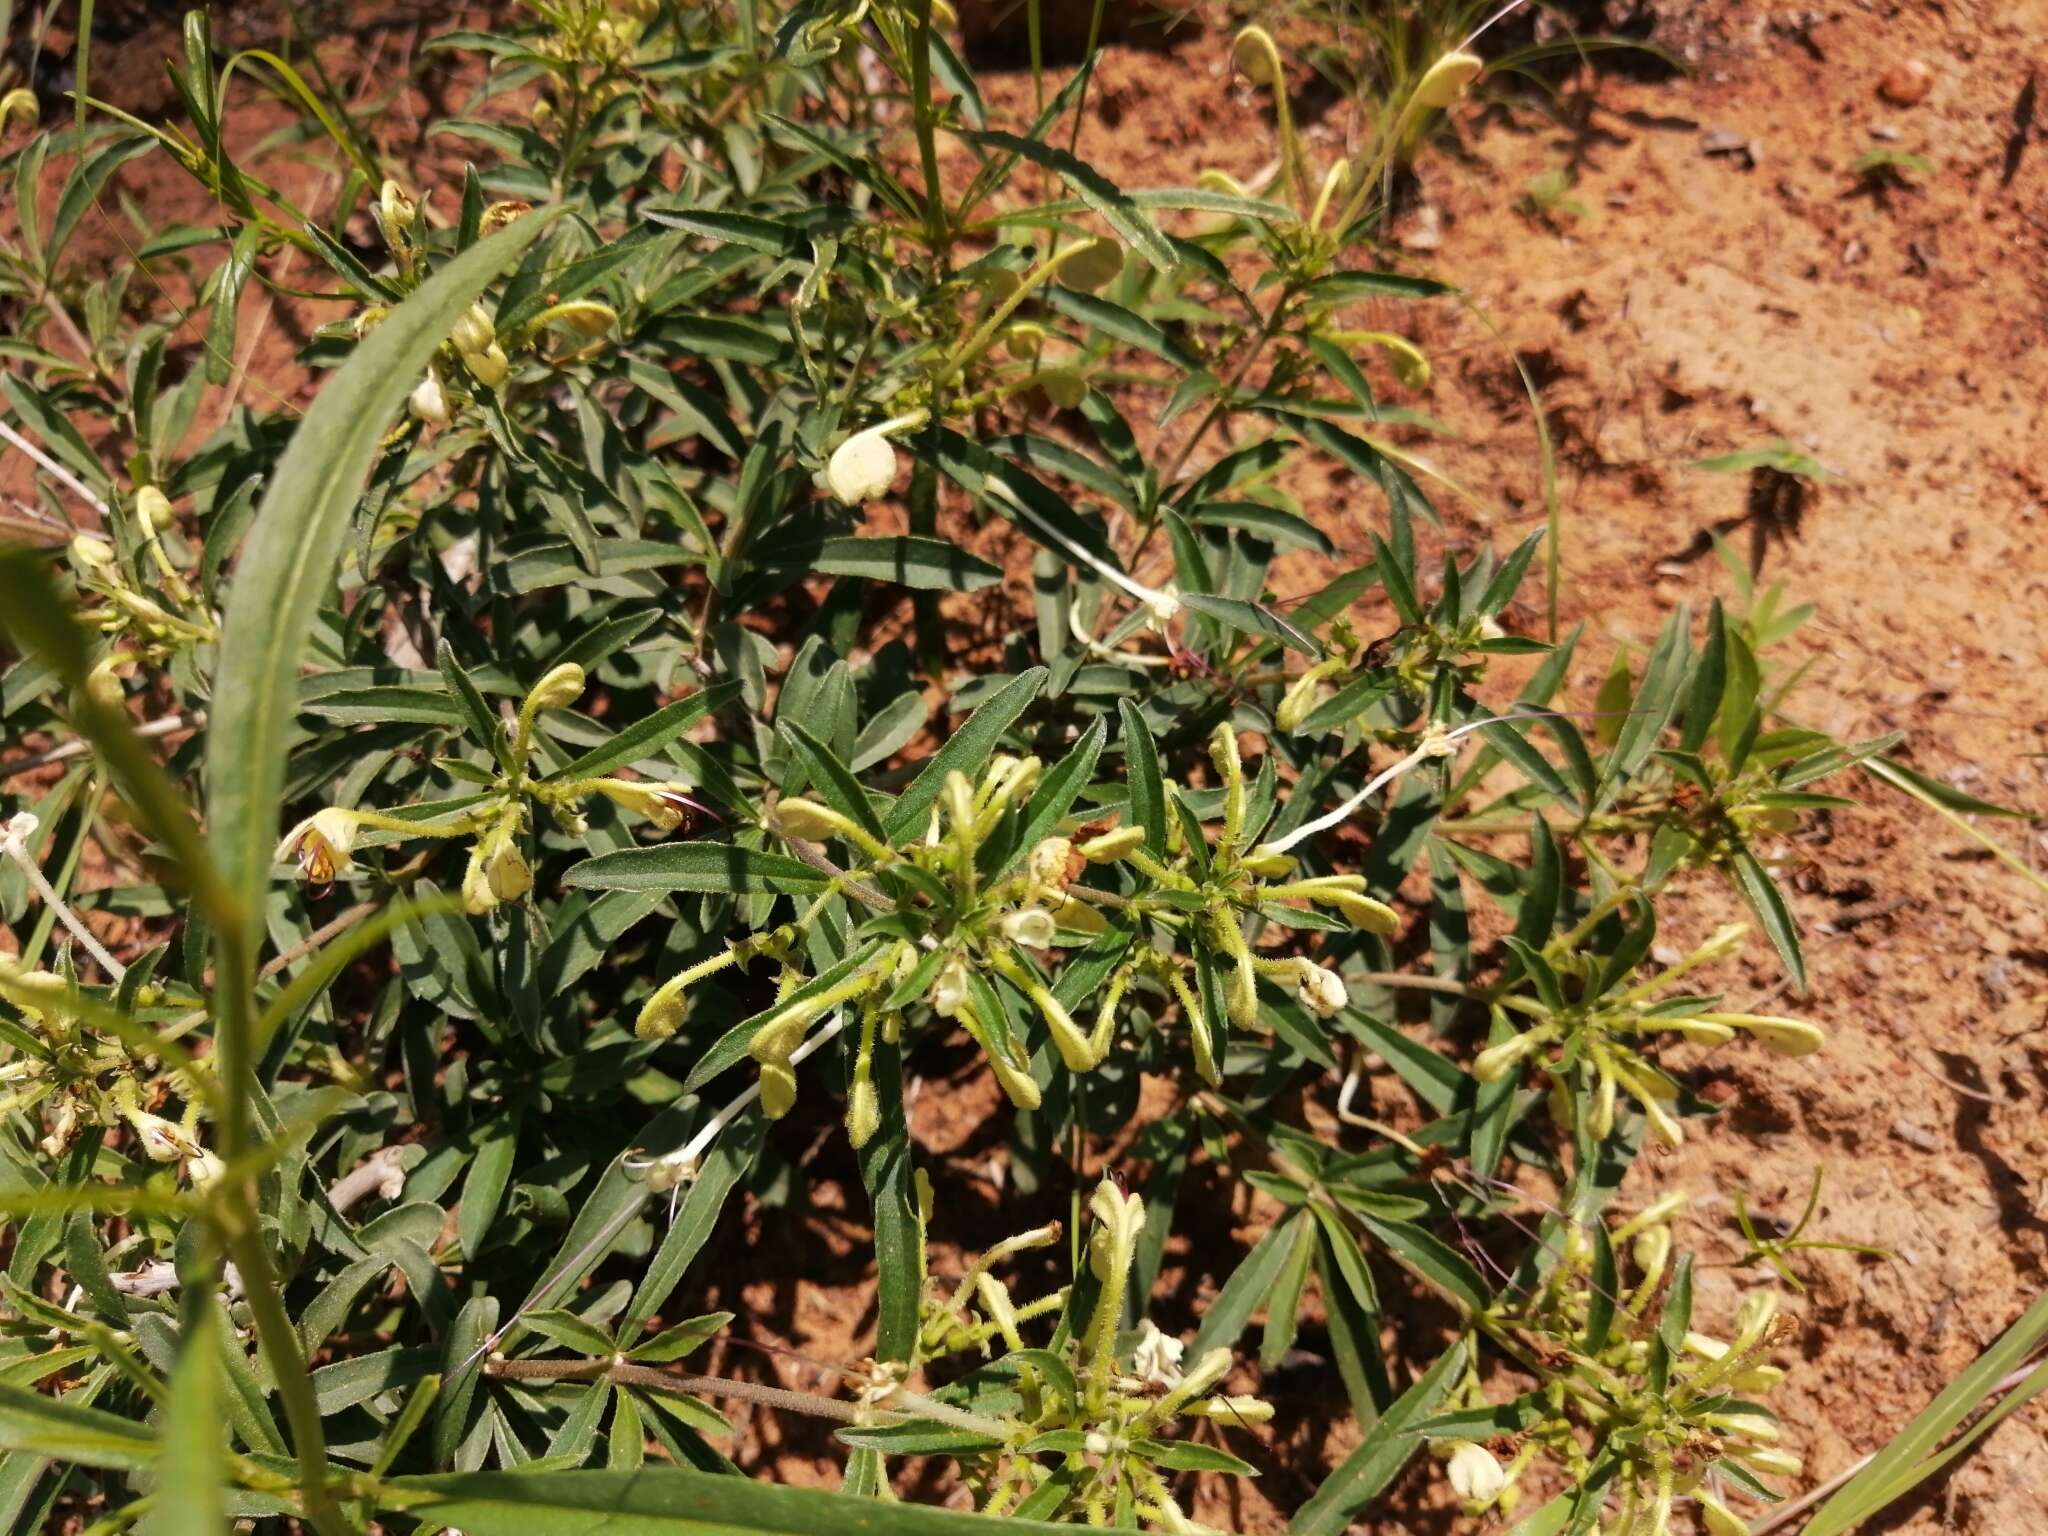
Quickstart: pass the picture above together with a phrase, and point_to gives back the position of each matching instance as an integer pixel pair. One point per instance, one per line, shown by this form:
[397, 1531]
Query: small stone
[1916, 1136]
[1907, 83]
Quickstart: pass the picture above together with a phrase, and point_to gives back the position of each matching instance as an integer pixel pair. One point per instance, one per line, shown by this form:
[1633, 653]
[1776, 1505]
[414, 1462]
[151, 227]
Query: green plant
[1777, 1249]
[556, 711]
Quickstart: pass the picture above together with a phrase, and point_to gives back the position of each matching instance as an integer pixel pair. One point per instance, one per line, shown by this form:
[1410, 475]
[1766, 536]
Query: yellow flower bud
[778, 1089]
[561, 687]
[489, 367]
[92, 553]
[154, 510]
[474, 331]
[1496, 1061]
[1257, 57]
[863, 1112]
[1092, 266]
[662, 1014]
[1362, 912]
[1446, 79]
[1784, 1037]
[1064, 387]
[506, 868]
[584, 317]
[19, 103]
[103, 683]
[1111, 846]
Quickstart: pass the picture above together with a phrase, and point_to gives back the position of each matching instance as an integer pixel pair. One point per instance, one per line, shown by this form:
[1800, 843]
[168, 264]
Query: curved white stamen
[1164, 605]
[1436, 742]
[14, 842]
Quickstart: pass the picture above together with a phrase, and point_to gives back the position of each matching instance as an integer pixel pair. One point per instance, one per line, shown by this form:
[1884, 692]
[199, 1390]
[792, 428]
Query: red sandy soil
[1701, 303]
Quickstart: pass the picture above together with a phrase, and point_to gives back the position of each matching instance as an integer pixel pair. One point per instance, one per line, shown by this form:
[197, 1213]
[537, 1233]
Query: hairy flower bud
[863, 1112]
[1365, 914]
[153, 508]
[1066, 388]
[662, 1014]
[1784, 1037]
[561, 687]
[20, 103]
[583, 317]
[103, 684]
[511, 877]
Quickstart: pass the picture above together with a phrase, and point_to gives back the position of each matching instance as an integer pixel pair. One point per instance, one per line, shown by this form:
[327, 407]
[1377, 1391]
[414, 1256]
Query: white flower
[950, 990]
[430, 401]
[1320, 989]
[1476, 1476]
[1157, 1357]
[1029, 926]
[863, 467]
[320, 844]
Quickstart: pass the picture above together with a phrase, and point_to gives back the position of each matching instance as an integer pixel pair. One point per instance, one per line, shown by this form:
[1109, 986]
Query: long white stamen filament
[15, 843]
[1435, 743]
[681, 1159]
[1095, 647]
[1163, 604]
[700, 1143]
[1490, 23]
[77, 486]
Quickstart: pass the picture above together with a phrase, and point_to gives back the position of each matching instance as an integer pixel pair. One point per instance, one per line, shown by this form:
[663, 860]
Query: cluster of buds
[1413, 665]
[1602, 1034]
[78, 1075]
[144, 606]
[973, 937]
[1679, 1420]
[1103, 1409]
[500, 870]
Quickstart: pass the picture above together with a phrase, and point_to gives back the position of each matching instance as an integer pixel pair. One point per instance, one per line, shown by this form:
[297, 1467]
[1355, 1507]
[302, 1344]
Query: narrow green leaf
[714, 868]
[1380, 1456]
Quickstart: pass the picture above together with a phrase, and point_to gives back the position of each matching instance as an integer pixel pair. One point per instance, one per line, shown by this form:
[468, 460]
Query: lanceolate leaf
[1380, 1455]
[714, 868]
[668, 1501]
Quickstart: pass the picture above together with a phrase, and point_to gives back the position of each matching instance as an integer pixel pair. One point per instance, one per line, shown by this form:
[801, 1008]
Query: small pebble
[1905, 84]
[1916, 1136]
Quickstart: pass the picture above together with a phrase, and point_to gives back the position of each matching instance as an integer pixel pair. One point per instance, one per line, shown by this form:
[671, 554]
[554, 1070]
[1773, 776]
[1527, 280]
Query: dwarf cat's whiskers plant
[625, 772]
